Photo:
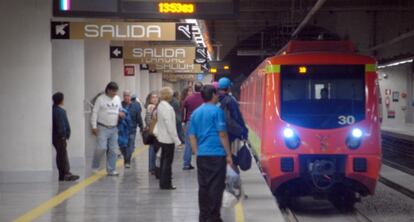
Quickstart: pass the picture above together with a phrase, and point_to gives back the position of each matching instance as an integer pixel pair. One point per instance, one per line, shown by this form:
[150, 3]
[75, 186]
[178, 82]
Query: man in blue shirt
[61, 133]
[209, 141]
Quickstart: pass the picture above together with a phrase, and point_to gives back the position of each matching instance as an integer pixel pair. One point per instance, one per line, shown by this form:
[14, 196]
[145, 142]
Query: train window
[325, 97]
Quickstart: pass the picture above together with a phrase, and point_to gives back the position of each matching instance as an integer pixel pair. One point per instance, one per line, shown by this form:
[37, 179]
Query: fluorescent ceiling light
[395, 63]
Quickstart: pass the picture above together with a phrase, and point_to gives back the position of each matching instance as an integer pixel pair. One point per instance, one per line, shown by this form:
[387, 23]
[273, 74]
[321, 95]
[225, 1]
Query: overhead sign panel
[170, 67]
[144, 9]
[122, 31]
[147, 54]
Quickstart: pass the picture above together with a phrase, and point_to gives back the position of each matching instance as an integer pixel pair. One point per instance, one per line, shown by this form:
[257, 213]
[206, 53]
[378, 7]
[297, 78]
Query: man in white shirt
[105, 114]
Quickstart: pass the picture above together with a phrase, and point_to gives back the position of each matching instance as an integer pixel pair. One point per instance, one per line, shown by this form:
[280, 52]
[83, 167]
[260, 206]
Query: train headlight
[288, 133]
[353, 141]
[292, 140]
[357, 133]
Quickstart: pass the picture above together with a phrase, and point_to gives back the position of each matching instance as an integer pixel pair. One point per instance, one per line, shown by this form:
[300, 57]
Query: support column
[138, 89]
[97, 76]
[69, 78]
[155, 80]
[117, 74]
[26, 91]
[145, 83]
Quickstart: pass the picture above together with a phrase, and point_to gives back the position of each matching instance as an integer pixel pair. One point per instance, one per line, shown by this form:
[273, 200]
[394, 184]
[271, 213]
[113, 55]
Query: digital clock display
[170, 7]
[147, 9]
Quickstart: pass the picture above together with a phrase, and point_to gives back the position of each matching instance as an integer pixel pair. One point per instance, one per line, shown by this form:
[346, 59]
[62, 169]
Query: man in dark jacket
[236, 127]
[134, 109]
[191, 103]
[61, 133]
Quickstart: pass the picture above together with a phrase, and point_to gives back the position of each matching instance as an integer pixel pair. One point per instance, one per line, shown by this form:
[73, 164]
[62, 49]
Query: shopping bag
[232, 193]
[229, 200]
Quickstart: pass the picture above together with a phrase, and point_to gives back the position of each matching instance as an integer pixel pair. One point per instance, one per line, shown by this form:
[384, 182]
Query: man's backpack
[233, 127]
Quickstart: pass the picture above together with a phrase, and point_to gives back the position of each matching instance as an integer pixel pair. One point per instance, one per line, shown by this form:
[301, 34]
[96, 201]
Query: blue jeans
[152, 157]
[187, 150]
[107, 142]
[127, 151]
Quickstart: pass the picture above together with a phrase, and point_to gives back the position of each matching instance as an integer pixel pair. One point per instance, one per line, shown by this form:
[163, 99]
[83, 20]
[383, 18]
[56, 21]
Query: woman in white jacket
[166, 133]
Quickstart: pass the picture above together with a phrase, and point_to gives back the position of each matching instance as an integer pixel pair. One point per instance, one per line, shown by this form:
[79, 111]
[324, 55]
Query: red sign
[129, 70]
[391, 114]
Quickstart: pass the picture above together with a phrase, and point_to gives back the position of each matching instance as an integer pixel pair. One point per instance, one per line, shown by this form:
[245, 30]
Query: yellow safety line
[56, 200]
[238, 212]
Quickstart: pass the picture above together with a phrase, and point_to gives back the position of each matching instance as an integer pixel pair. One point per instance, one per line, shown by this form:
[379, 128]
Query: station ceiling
[277, 20]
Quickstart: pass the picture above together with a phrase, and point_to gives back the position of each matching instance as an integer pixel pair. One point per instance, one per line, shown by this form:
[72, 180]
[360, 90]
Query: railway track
[355, 215]
[394, 185]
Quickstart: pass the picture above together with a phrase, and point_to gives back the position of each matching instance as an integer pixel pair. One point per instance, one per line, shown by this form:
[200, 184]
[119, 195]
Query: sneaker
[113, 173]
[127, 165]
[188, 168]
[95, 171]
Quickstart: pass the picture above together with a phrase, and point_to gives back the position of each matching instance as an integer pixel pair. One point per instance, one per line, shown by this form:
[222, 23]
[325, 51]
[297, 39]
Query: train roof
[297, 46]
[319, 52]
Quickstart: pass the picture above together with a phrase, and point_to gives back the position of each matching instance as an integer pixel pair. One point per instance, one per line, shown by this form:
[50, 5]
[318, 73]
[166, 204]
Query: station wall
[397, 80]
[68, 65]
[26, 91]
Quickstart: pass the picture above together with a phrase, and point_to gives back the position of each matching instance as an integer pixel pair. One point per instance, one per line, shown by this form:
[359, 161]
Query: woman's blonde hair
[166, 93]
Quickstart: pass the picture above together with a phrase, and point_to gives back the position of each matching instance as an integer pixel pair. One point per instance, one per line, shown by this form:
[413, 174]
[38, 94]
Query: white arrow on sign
[60, 29]
[202, 52]
[185, 29]
[117, 52]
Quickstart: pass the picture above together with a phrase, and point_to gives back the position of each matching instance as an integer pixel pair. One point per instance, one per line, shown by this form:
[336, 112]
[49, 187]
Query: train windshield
[322, 96]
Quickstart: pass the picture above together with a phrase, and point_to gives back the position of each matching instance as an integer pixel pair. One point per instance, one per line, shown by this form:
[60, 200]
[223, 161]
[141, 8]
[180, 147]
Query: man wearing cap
[134, 109]
[236, 128]
[191, 103]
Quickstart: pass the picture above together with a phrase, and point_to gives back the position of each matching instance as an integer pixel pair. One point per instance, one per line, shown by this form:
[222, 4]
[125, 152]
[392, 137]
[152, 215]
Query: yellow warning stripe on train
[270, 69]
[370, 68]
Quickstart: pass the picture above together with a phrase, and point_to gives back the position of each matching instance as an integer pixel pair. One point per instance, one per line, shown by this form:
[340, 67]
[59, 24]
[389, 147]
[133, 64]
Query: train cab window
[326, 97]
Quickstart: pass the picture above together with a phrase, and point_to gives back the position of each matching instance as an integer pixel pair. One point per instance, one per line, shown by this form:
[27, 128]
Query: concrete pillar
[69, 78]
[97, 76]
[155, 80]
[145, 83]
[138, 89]
[117, 73]
[26, 91]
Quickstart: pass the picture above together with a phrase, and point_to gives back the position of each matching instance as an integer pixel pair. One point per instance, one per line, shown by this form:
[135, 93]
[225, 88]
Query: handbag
[244, 158]
[147, 137]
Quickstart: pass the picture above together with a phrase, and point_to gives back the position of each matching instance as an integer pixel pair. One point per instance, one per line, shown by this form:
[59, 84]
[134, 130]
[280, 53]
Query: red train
[314, 121]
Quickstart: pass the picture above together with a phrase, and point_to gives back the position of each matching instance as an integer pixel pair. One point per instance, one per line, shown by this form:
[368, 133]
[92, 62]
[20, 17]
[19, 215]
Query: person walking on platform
[104, 120]
[209, 141]
[61, 133]
[134, 110]
[166, 132]
[175, 103]
[191, 103]
[151, 103]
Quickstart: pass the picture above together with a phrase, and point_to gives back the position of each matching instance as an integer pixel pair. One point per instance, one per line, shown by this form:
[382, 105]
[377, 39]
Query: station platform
[398, 147]
[132, 196]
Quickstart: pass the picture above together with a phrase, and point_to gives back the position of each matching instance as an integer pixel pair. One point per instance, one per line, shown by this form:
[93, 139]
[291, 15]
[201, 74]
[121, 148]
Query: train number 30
[346, 120]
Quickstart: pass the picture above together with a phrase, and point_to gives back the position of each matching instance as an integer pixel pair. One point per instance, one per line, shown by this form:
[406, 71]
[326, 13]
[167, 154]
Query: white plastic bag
[232, 194]
[229, 200]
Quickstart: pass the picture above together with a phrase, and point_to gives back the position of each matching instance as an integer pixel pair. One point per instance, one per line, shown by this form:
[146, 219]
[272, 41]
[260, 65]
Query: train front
[321, 126]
